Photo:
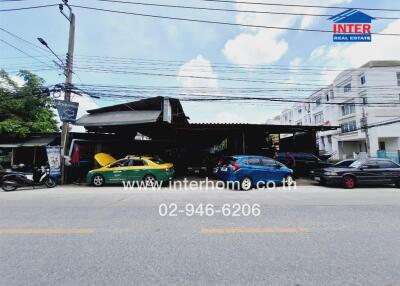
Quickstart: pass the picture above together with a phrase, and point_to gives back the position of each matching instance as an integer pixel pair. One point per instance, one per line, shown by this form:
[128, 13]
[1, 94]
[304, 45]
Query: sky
[180, 49]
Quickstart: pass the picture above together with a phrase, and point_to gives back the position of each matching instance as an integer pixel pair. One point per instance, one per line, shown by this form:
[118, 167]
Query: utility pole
[68, 82]
[364, 126]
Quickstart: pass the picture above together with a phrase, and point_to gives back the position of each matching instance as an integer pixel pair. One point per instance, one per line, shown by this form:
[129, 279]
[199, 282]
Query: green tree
[23, 109]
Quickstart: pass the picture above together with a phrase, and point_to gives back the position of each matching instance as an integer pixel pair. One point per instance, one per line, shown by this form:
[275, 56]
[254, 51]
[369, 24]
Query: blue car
[251, 171]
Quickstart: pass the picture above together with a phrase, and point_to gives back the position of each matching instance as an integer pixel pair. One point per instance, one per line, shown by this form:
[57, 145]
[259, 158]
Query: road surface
[77, 235]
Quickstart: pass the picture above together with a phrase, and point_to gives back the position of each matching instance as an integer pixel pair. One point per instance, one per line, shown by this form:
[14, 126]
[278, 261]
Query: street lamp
[44, 43]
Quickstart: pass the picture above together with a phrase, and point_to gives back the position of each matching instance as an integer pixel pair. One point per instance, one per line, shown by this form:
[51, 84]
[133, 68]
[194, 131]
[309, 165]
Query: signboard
[352, 25]
[67, 110]
[54, 158]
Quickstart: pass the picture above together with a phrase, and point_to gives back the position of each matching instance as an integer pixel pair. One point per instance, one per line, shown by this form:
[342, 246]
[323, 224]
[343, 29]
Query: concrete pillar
[373, 146]
[335, 147]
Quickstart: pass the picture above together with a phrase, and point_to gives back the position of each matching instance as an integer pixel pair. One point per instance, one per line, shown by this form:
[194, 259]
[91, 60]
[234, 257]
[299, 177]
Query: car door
[310, 162]
[118, 171]
[137, 169]
[270, 170]
[255, 169]
[370, 172]
[389, 171]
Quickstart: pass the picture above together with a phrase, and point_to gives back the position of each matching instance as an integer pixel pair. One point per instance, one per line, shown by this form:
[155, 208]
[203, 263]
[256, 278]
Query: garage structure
[159, 126]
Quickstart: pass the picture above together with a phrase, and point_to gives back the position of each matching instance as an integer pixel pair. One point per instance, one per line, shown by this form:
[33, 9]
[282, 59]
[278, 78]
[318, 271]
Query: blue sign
[352, 26]
[54, 159]
[67, 110]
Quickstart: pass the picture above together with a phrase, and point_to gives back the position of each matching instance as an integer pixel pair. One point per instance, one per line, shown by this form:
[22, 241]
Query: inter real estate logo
[352, 26]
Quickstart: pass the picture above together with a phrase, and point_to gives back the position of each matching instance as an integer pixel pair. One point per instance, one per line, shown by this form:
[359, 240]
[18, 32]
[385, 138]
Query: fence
[392, 155]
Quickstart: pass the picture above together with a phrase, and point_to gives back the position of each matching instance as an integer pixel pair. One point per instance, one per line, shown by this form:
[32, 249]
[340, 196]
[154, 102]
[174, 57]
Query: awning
[40, 141]
[119, 118]
[32, 142]
[10, 145]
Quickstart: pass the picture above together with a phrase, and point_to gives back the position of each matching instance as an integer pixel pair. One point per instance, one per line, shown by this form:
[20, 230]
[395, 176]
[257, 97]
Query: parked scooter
[40, 176]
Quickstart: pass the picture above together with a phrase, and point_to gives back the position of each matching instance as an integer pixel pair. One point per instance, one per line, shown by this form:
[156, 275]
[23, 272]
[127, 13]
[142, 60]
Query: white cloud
[252, 49]
[256, 46]
[197, 76]
[357, 54]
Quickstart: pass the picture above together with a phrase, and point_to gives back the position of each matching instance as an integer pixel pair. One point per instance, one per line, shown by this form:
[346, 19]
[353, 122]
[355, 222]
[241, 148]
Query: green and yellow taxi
[131, 168]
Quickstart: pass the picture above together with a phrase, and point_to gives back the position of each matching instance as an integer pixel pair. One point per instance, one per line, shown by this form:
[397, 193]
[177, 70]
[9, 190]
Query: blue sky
[193, 44]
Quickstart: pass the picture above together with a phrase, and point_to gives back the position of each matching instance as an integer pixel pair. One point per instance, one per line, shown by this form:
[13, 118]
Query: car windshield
[356, 164]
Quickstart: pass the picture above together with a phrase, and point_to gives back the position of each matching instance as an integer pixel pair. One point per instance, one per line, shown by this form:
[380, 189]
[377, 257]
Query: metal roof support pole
[294, 142]
[243, 142]
[12, 156]
[34, 156]
[167, 112]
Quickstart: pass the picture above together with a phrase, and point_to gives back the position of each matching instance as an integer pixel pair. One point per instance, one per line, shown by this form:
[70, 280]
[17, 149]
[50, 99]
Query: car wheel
[349, 182]
[8, 186]
[98, 180]
[149, 181]
[246, 183]
[289, 180]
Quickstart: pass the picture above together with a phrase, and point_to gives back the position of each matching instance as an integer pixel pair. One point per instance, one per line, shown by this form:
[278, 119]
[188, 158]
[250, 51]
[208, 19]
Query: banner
[54, 158]
[67, 110]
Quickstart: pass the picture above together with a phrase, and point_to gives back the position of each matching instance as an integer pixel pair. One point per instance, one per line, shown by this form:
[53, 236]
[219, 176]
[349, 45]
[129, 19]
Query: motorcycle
[39, 177]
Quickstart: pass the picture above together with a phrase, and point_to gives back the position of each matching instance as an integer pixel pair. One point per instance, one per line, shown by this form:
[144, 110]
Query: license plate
[224, 169]
[317, 178]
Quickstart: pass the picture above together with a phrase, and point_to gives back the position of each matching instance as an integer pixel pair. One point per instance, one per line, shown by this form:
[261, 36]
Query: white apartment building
[350, 102]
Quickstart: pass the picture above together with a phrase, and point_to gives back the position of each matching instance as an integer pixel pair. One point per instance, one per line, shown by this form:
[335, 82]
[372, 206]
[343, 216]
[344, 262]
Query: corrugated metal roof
[114, 118]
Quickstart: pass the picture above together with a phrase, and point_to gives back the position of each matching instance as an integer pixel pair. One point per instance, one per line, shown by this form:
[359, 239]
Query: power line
[270, 4]
[217, 97]
[229, 10]
[28, 8]
[215, 22]
[124, 71]
[22, 39]
[140, 61]
[25, 53]
[302, 5]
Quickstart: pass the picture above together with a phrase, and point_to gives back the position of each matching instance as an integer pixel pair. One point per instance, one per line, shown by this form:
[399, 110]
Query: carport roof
[115, 118]
[282, 129]
[32, 142]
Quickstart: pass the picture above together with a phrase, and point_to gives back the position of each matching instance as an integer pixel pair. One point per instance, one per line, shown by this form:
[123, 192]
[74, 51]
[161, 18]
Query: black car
[366, 171]
[302, 163]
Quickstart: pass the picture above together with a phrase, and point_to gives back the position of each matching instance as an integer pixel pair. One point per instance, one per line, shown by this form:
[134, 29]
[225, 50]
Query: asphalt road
[110, 236]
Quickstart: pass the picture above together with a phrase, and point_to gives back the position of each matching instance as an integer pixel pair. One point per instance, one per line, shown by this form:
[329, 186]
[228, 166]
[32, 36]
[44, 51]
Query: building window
[364, 100]
[398, 78]
[348, 108]
[318, 118]
[362, 79]
[299, 111]
[318, 102]
[347, 87]
[348, 126]
[382, 145]
[327, 96]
